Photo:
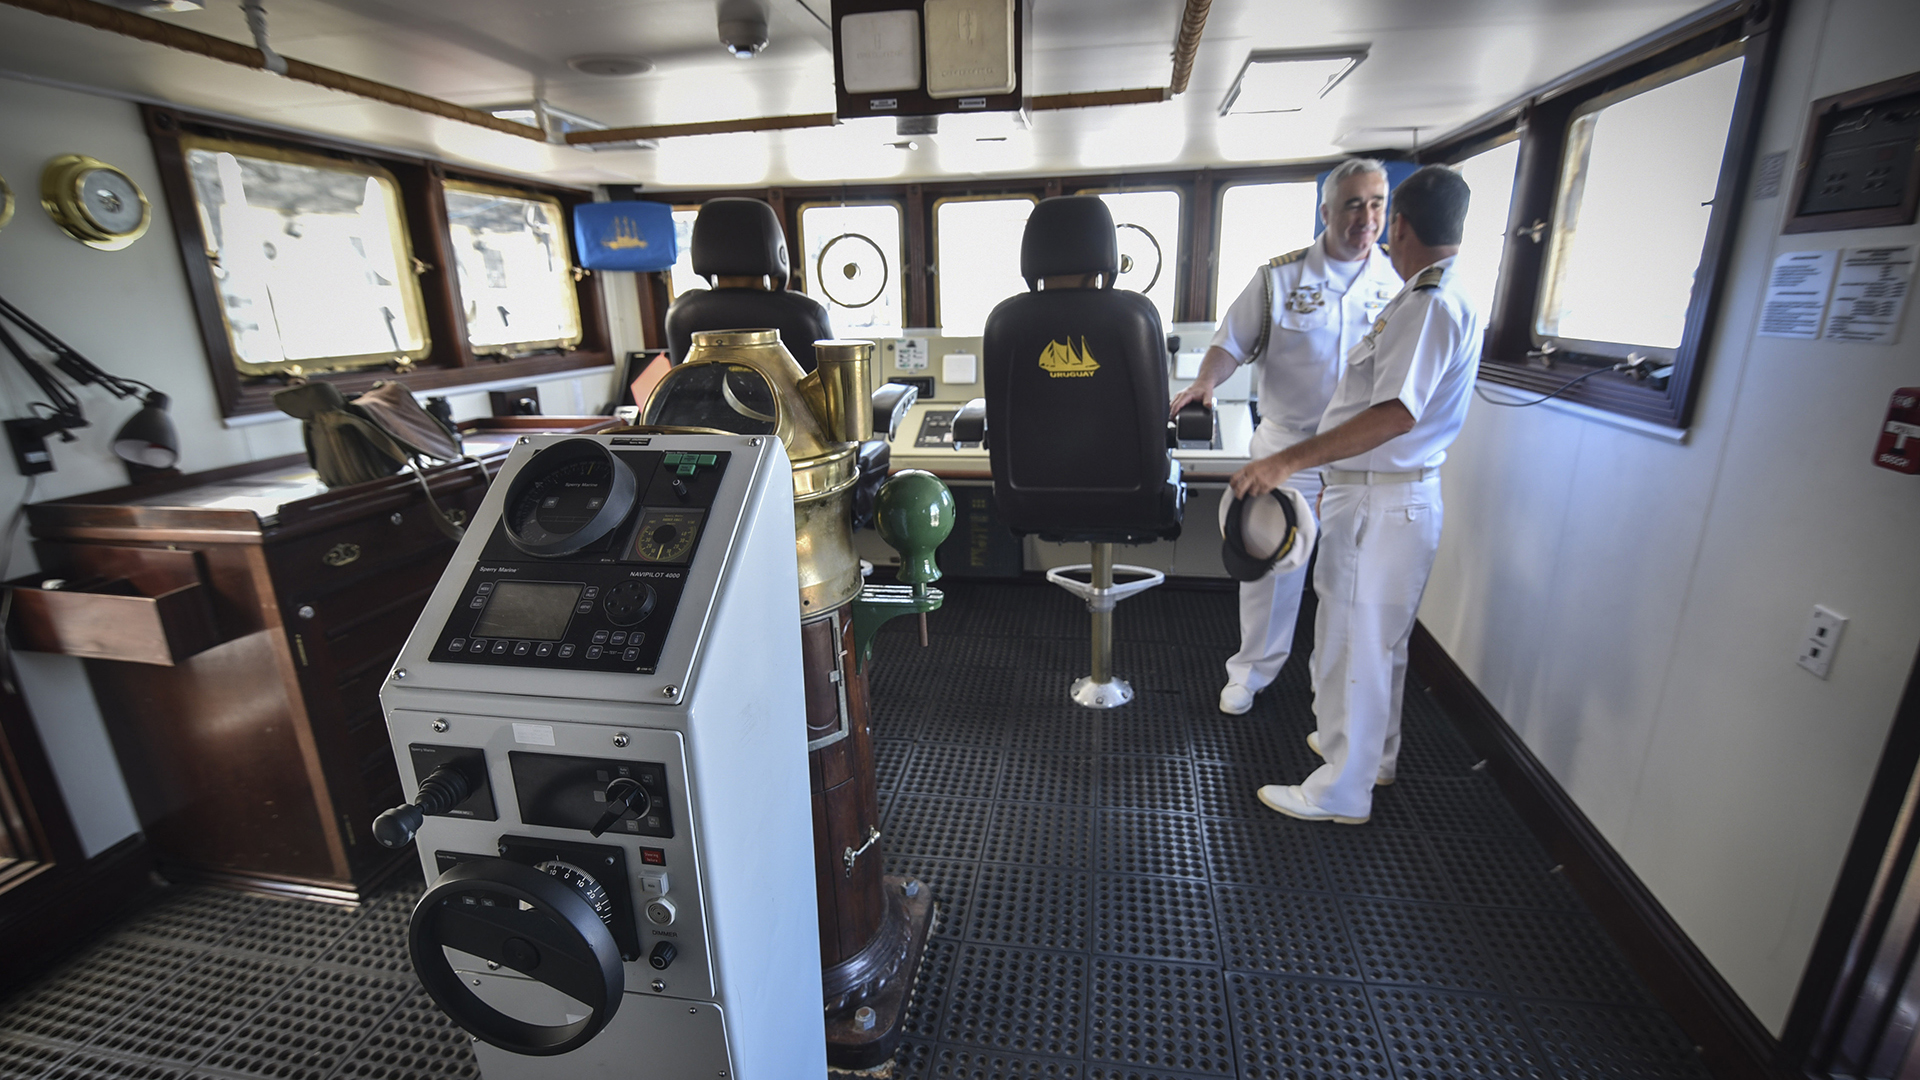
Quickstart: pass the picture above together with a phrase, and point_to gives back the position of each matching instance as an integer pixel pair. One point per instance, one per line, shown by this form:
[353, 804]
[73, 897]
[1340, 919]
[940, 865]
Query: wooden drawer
[144, 605]
[338, 557]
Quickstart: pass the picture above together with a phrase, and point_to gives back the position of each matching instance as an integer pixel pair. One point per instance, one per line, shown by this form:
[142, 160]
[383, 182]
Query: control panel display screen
[533, 610]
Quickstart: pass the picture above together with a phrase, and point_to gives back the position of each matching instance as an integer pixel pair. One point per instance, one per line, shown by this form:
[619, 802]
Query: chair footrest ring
[1099, 599]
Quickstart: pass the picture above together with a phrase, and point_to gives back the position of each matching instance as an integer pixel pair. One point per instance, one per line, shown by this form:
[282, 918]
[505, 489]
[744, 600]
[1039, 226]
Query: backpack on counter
[375, 435]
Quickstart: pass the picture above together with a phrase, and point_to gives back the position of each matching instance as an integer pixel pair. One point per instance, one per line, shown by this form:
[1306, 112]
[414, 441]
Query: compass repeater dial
[569, 497]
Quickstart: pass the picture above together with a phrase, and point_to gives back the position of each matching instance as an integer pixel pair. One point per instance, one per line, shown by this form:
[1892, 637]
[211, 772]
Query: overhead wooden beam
[127, 23]
[1192, 22]
[1094, 98]
[705, 127]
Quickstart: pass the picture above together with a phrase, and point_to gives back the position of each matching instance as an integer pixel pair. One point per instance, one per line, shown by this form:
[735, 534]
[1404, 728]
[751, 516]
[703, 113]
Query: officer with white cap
[1402, 396]
[1296, 318]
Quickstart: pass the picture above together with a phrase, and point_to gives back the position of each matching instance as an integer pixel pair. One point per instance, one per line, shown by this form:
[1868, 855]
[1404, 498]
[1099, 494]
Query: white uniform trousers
[1377, 544]
[1269, 607]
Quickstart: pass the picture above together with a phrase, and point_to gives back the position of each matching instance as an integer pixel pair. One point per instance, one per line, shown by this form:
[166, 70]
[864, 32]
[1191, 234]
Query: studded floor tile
[1114, 903]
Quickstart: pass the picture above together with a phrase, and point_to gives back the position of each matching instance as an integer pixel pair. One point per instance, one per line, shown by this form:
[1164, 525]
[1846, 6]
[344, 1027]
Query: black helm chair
[743, 238]
[1076, 415]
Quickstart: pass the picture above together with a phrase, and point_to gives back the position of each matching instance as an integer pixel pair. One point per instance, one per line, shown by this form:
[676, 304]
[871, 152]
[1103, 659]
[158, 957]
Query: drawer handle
[341, 554]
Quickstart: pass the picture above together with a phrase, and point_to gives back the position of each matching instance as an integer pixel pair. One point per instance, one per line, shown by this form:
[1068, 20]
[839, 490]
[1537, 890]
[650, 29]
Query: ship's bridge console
[601, 710]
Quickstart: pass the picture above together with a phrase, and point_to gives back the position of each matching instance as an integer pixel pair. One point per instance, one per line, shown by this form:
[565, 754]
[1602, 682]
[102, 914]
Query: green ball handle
[914, 512]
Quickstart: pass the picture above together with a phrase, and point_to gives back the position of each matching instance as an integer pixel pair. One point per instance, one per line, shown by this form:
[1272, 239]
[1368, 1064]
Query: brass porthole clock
[95, 203]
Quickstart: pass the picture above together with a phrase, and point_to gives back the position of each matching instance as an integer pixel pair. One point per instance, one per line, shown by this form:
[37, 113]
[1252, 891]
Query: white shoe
[1235, 699]
[1291, 801]
[1381, 779]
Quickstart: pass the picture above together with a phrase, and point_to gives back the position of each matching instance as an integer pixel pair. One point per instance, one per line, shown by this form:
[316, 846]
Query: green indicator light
[672, 459]
[685, 470]
[707, 459]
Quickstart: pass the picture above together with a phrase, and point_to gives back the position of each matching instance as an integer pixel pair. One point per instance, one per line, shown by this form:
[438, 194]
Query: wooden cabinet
[259, 758]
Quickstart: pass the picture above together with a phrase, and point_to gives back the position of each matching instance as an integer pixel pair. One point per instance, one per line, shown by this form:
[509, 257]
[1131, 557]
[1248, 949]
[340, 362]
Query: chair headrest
[1072, 234]
[739, 236]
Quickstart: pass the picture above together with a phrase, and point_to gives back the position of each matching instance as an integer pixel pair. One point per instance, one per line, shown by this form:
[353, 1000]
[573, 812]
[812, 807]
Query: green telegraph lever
[914, 513]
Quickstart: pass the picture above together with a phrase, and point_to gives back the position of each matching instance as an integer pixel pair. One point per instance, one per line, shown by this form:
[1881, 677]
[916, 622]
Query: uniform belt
[1331, 477]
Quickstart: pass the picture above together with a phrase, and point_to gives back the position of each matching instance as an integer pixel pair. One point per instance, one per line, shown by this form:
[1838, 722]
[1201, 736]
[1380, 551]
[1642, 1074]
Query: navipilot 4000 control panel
[614, 824]
[625, 570]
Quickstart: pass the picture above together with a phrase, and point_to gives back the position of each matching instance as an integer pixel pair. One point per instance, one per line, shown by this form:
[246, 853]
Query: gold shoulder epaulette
[1289, 257]
[1429, 278]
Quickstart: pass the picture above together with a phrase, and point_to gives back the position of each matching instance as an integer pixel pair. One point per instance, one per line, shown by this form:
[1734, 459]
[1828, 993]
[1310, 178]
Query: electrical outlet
[29, 442]
[1824, 628]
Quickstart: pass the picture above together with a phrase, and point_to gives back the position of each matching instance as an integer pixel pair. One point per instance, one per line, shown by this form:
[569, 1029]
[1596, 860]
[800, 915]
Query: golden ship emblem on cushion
[626, 234]
[1060, 360]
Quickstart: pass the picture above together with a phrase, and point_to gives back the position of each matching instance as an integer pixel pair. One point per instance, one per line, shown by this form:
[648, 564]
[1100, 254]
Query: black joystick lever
[443, 789]
[623, 794]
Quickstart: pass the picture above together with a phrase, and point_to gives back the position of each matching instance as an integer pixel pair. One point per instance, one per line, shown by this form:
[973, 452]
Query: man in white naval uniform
[1322, 300]
[1402, 397]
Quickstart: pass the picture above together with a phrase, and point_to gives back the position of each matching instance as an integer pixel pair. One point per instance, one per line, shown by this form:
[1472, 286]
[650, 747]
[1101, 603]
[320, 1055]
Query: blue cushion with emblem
[624, 235]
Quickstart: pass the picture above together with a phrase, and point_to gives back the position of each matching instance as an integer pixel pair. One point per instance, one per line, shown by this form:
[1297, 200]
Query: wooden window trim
[1513, 352]
[450, 362]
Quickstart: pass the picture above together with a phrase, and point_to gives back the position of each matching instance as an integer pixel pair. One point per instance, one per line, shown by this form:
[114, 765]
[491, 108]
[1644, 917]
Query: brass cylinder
[825, 463]
[843, 370]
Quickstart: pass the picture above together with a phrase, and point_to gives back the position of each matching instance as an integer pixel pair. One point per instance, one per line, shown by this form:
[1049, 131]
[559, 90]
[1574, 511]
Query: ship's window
[516, 271]
[976, 243]
[1635, 195]
[1147, 225]
[852, 263]
[350, 264]
[309, 256]
[681, 279]
[1257, 222]
[1489, 175]
[1603, 218]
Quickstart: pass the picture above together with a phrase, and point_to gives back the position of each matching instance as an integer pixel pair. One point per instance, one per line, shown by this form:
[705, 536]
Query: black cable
[6, 598]
[67, 359]
[1557, 391]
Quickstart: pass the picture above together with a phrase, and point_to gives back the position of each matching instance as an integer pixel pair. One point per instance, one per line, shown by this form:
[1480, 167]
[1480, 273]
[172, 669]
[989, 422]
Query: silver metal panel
[648, 1036]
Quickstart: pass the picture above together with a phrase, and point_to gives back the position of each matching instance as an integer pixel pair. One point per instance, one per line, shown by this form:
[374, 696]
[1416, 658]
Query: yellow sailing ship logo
[626, 234]
[1060, 360]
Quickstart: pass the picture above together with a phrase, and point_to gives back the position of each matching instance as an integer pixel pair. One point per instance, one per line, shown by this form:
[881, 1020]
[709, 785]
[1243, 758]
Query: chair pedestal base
[1102, 689]
[1110, 694]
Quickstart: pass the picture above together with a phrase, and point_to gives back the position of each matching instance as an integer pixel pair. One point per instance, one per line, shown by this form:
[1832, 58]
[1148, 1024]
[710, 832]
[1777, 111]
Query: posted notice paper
[1870, 295]
[1797, 294]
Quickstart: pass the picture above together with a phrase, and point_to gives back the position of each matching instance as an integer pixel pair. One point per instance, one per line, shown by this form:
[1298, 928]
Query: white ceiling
[1434, 65]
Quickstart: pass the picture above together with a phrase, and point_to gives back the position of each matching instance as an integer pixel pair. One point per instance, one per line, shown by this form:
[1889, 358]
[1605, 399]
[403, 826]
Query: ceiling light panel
[1288, 80]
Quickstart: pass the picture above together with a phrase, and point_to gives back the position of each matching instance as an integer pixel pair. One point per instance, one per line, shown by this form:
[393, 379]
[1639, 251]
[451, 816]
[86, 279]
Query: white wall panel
[1650, 663]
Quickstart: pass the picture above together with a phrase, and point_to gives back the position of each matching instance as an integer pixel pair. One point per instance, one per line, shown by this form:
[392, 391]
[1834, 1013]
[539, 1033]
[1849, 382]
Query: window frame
[1177, 269]
[806, 274]
[520, 348]
[1514, 354]
[450, 361]
[1219, 295]
[410, 293]
[933, 240]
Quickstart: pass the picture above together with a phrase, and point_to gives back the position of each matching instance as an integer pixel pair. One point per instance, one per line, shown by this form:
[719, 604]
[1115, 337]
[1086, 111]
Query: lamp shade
[149, 438]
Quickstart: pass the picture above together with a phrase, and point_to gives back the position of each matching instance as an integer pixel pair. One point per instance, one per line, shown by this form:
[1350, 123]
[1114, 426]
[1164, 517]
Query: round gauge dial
[95, 203]
[667, 536]
[590, 890]
[570, 496]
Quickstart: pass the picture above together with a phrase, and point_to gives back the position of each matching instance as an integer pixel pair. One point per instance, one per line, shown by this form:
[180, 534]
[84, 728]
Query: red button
[653, 856]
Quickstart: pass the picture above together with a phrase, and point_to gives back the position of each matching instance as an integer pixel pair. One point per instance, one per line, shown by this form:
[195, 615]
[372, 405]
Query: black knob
[662, 954]
[445, 788]
[623, 795]
[628, 602]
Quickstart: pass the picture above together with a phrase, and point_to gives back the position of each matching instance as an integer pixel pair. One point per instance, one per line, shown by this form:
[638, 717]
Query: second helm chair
[742, 238]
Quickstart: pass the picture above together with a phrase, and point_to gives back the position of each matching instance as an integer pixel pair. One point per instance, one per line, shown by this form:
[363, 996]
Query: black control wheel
[531, 921]
[629, 602]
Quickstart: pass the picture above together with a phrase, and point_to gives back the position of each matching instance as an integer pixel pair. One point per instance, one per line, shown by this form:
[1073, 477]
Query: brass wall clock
[95, 203]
